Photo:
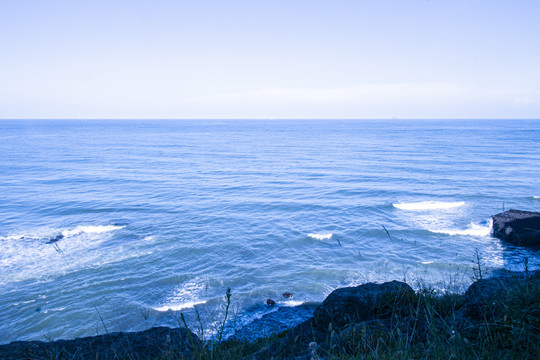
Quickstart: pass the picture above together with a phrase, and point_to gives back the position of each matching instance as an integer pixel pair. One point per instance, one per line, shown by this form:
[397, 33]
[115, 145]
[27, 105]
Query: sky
[354, 59]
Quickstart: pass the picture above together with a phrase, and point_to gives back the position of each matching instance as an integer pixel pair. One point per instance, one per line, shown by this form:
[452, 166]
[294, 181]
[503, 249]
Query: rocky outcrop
[362, 304]
[517, 227]
[149, 344]
[365, 302]
[350, 316]
[350, 322]
[489, 299]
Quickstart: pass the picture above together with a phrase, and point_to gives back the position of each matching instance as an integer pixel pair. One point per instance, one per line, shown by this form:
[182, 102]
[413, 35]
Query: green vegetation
[497, 318]
[448, 326]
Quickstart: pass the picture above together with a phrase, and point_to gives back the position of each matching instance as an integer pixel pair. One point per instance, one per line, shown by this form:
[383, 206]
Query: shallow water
[161, 217]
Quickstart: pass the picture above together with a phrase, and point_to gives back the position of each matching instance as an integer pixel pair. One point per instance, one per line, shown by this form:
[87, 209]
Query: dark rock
[355, 318]
[365, 302]
[293, 345]
[270, 302]
[489, 299]
[355, 334]
[149, 344]
[368, 304]
[55, 239]
[517, 227]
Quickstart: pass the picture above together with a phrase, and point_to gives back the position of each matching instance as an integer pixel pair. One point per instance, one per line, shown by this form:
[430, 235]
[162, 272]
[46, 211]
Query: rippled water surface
[125, 224]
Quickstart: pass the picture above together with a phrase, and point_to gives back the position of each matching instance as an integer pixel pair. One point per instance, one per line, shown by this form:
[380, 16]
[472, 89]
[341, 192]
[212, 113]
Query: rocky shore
[498, 315]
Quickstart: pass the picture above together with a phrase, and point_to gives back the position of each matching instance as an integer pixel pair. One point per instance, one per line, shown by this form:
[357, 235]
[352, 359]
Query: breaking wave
[322, 236]
[91, 230]
[471, 230]
[184, 297]
[28, 254]
[428, 205]
[293, 303]
[179, 306]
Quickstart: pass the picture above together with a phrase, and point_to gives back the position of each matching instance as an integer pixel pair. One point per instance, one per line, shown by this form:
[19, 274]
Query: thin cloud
[365, 93]
[527, 100]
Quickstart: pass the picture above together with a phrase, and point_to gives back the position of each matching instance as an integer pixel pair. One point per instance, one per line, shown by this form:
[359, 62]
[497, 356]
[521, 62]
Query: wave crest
[322, 236]
[472, 230]
[178, 307]
[428, 205]
[184, 297]
[90, 229]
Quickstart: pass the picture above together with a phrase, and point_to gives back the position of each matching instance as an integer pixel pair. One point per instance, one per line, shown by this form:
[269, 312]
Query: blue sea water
[157, 218]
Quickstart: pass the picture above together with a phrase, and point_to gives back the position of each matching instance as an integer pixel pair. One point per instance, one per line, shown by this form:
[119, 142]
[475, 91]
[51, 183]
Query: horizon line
[265, 119]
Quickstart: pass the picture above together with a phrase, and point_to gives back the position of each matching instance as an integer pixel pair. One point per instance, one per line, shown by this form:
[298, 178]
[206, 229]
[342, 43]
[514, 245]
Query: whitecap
[179, 306]
[429, 205]
[90, 229]
[472, 230]
[427, 262]
[322, 236]
[27, 254]
[536, 197]
[292, 303]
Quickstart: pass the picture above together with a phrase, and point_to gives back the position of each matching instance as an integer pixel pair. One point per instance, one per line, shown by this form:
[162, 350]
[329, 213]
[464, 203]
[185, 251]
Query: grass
[429, 325]
[434, 327]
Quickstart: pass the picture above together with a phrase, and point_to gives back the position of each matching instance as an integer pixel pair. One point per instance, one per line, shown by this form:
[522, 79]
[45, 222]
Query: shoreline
[181, 342]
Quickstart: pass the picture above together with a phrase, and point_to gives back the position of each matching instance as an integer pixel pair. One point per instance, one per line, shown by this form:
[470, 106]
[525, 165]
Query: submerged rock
[517, 227]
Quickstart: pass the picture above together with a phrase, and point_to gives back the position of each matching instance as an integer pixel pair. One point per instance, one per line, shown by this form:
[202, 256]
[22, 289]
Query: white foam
[178, 307]
[322, 236]
[472, 230]
[184, 297]
[429, 205]
[292, 303]
[57, 309]
[427, 262]
[536, 197]
[28, 254]
[91, 230]
[11, 237]
[24, 302]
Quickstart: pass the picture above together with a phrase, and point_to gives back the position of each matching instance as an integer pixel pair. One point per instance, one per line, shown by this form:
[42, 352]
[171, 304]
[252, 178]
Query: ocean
[124, 225]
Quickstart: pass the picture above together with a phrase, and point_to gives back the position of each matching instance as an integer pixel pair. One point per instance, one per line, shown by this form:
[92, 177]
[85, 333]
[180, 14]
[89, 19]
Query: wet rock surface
[275, 322]
[518, 227]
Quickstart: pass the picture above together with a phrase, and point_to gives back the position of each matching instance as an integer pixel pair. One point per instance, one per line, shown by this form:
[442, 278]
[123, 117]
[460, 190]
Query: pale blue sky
[270, 59]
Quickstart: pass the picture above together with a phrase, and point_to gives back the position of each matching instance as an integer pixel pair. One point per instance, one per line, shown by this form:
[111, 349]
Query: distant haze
[269, 59]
